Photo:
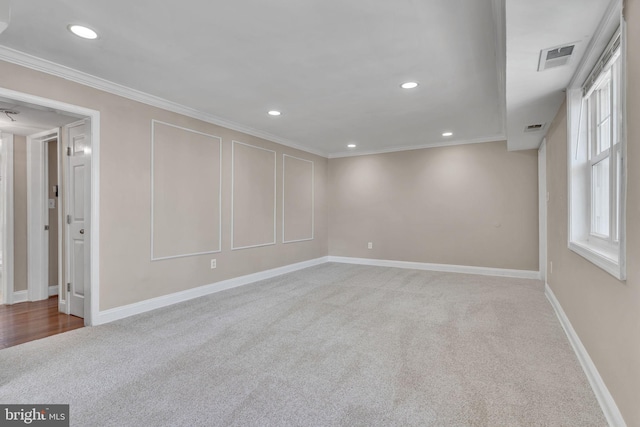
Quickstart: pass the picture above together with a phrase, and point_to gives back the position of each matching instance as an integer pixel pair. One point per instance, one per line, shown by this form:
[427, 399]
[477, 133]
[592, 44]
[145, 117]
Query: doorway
[40, 209]
[62, 250]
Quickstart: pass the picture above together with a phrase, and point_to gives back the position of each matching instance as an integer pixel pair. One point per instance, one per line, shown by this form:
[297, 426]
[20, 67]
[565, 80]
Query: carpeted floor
[335, 344]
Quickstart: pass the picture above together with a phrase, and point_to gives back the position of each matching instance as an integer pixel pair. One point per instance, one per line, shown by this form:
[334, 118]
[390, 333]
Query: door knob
[82, 231]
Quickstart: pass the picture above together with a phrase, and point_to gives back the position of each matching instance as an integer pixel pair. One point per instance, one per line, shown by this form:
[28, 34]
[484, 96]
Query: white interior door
[78, 202]
[38, 215]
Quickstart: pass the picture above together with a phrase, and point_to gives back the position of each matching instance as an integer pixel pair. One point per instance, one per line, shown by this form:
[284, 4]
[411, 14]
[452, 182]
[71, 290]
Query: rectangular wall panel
[297, 199]
[185, 192]
[253, 198]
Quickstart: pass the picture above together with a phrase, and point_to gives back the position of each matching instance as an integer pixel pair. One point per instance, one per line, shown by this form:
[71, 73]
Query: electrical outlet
[213, 263]
[370, 245]
[550, 267]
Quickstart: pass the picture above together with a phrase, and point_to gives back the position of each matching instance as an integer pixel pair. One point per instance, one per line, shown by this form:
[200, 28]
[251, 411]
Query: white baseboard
[448, 268]
[20, 296]
[608, 405]
[117, 313]
[167, 300]
[23, 296]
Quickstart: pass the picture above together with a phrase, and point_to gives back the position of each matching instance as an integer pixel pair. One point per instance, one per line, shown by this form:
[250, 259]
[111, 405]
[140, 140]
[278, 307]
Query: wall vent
[554, 57]
[535, 128]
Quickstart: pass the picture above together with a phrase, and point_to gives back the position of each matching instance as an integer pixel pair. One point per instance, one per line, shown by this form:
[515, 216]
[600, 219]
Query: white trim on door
[92, 292]
[62, 302]
[38, 214]
[6, 218]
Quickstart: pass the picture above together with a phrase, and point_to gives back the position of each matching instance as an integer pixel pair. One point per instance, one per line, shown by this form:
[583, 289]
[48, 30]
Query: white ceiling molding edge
[494, 138]
[500, 21]
[38, 64]
[609, 22]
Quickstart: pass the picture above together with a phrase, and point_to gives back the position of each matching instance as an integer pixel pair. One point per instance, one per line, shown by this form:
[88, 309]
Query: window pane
[591, 127]
[604, 135]
[618, 185]
[600, 198]
[616, 117]
[604, 115]
[604, 94]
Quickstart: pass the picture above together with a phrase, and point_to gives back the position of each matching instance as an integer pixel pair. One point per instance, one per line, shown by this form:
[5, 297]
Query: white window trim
[613, 262]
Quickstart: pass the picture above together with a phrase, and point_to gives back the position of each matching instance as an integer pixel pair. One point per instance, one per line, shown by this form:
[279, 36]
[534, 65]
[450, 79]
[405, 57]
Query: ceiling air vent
[534, 128]
[555, 56]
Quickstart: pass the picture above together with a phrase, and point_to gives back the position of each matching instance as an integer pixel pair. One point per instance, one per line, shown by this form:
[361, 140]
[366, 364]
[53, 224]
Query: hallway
[29, 321]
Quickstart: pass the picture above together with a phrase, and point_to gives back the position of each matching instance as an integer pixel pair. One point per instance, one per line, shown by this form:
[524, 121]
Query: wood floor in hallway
[29, 321]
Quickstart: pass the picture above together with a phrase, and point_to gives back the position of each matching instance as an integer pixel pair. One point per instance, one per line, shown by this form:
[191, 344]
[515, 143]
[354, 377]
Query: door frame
[92, 289]
[542, 206]
[6, 218]
[38, 214]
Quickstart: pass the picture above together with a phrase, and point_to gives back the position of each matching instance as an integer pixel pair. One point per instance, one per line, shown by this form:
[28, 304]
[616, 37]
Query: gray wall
[127, 274]
[604, 311]
[472, 205]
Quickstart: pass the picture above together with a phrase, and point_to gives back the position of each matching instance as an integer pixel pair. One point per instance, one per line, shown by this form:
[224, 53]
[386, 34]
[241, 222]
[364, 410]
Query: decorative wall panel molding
[186, 178]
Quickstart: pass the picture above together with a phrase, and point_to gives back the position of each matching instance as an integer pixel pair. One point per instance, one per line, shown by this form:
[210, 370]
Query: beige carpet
[330, 345]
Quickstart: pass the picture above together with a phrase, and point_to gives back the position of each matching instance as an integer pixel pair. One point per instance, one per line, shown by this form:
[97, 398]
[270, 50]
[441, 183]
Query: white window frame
[611, 76]
[606, 252]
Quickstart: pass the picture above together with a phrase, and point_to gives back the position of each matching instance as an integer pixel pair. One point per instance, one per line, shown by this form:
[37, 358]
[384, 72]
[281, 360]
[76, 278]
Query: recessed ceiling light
[409, 85]
[351, 146]
[447, 134]
[84, 32]
[274, 113]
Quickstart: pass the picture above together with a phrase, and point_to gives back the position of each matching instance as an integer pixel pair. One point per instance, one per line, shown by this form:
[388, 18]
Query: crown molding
[45, 66]
[38, 64]
[494, 138]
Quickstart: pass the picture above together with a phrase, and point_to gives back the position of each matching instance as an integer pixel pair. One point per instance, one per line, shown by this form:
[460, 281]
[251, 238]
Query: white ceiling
[30, 119]
[332, 68]
[533, 97]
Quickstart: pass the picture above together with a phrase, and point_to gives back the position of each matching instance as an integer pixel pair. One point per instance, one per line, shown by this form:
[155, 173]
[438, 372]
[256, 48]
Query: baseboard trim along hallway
[447, 268]
[170, 299]
[20, 296]
[608, 405]
[117, 313]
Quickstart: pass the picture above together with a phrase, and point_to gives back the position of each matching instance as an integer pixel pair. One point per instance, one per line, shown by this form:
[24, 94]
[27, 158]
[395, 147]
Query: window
[596, 161]
[603, 112]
